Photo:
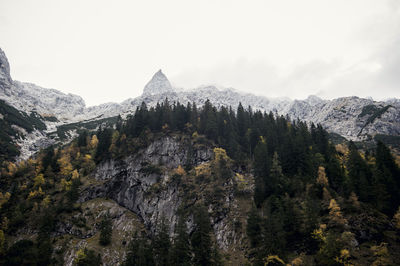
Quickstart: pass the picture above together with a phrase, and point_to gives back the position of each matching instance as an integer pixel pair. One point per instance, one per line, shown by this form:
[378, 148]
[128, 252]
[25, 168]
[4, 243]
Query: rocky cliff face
[352, 117]
[145, 184]
[133, 181]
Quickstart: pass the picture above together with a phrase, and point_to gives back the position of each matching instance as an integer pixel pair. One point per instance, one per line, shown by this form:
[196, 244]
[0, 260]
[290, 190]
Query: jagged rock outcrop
[143, 183]
[5, 77]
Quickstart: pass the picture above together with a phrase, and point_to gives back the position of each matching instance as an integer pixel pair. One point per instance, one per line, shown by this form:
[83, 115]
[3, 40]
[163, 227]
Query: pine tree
[335, 214]
[82, 139]
[104, 137]
[261, 171]
[359, 174]
[254, 228]
[180, 254]
[386, 180]
[201, 239]
[161, 243]
[276, 182]
[105, 230]
[140, 252]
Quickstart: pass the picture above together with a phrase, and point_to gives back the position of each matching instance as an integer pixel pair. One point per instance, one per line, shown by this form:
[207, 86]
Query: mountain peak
[4, 68]
[157, 85]
[314, 100]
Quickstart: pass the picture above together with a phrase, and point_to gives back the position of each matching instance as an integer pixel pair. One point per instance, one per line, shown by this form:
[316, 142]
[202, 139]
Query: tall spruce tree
[359, 174]
[201, 239]
[140, 252]
[180, 254]
[161, 243]
[105, 230]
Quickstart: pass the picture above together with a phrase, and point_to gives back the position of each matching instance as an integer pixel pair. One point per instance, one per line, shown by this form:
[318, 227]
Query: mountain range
[353, 118]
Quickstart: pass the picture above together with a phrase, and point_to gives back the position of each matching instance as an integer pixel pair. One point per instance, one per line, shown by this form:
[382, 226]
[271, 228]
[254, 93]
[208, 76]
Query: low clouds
[377, 76]
[368, 66]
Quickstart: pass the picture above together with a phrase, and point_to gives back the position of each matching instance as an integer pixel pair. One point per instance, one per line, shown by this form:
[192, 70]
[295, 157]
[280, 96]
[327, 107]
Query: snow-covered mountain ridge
[352, 117]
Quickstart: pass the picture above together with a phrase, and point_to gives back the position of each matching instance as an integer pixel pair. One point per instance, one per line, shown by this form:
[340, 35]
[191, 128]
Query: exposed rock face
[143, 184]
[138, 183]
[352, 117]
[124, 224]
[32, 142]
[30, 97]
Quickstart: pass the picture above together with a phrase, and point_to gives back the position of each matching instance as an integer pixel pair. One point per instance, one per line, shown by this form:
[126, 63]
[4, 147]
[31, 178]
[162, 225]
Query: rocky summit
[158, 84]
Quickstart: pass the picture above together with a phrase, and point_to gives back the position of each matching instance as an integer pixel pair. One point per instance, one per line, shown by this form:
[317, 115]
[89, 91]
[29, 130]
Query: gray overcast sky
[107, 50]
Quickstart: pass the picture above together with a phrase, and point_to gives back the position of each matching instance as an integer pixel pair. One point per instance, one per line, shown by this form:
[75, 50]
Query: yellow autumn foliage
[322, 180]
[220, 154]
[344, 257]
[195, 135]
[93, 142]
[319, 234]
[46, 201]
[80, 255]
[65, 164]
[335, 213]
[180, 171]
[12, 168]
[297, 262]
[4, 198]
[274, 260]
[75, 174]
[165, 127]
[381, 254]
[242, 182]
[66, 185]
[38, 180]
[203, 169]
[36, 193]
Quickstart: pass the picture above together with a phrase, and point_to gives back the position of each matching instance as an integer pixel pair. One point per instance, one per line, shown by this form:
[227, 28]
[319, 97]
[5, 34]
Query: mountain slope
[29, 97]
[191, 181]
[16, 127]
